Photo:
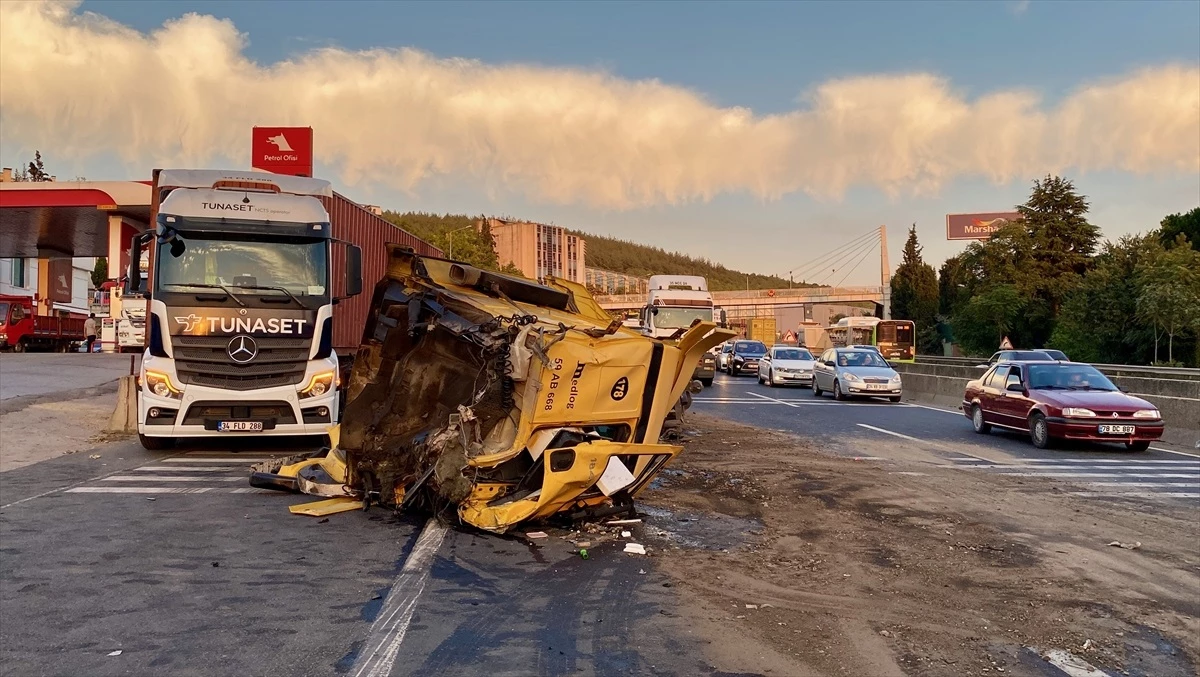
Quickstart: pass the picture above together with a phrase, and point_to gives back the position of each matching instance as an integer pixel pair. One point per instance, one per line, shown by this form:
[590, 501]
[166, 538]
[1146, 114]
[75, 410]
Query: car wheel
[760, 379]
[156, 443]
[707, 382]
[816, 388]
[1039, 431]
[1137, 446]
[771, 378]
[981, 426]
[895, 398]
[837, 391]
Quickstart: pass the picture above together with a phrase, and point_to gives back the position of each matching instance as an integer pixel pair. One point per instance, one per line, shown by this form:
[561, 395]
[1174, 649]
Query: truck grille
[204, 360]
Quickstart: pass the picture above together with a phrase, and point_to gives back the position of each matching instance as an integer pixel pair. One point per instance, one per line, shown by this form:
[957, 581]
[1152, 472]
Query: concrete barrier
[1177, 399]
[124, 417]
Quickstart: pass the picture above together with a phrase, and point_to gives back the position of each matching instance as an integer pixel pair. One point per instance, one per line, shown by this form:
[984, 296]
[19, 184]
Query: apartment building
[601, 281]
[538, 250]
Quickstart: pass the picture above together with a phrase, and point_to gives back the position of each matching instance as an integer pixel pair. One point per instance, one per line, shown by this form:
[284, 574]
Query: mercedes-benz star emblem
[242, 349]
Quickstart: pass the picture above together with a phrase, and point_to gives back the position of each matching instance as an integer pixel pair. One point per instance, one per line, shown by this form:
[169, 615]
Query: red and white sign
[283, 150]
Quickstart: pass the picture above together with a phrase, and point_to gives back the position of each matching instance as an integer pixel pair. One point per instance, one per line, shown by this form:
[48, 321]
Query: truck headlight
[1077, 412]
[160, 384]
[1147, 413]
[318, 385]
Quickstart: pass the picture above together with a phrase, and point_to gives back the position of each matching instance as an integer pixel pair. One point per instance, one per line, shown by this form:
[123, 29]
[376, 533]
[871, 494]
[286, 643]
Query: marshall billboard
[977, 226]
[283, 150]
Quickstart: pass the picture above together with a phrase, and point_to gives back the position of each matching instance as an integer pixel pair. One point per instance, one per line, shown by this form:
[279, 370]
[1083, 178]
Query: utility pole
[885, 273]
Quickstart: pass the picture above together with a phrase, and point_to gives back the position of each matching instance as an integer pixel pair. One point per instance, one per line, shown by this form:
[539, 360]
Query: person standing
[89, 330]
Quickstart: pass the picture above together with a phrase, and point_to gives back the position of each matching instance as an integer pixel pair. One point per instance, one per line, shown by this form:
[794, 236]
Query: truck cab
[673, 303]
[240, 287]
[22, 329]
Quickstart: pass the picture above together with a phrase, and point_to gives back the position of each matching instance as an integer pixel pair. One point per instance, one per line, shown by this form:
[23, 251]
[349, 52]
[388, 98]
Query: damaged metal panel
[506, 400]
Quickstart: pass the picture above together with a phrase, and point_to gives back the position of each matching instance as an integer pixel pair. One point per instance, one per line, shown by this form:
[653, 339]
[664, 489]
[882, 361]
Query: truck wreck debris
[500, 398]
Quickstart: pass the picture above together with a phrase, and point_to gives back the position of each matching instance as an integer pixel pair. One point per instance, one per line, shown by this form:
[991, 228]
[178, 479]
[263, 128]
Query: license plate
[876, 386]
[1117, 429]
[239, 426]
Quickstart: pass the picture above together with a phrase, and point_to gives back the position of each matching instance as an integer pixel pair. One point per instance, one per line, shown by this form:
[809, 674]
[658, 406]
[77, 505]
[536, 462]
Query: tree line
[1047, 280]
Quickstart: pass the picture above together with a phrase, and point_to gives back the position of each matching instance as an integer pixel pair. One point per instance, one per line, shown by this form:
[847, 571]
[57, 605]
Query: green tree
[100, 272]
[34, 171]
[1176, 224]
[987, 318]
[472, 244]
[1170, 293]
[915, 295]
[952, 286]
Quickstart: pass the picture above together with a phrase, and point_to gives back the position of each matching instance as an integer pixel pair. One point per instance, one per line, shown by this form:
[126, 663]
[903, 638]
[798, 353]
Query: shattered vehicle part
[503, 399]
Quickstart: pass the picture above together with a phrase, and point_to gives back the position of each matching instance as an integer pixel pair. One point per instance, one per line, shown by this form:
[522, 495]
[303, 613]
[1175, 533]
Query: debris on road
[1127, 546]
[503, 399]
[115, 653]
[635, 548]
[613, 523]
[329, 506]
[535, 534]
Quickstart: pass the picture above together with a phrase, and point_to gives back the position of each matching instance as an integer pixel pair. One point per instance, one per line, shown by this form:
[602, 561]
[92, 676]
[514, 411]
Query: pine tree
[915, 294]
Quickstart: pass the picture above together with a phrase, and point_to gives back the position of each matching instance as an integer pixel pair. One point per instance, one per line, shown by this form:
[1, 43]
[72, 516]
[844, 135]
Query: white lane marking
[170, 478]
[390, 626]
[179, 468]
[1188, 485]
[956, 412]
[1072, 665]
[1097, 474]
[167, 490]
[910, 472]
[1100, 460]
[229, 459]
[1055, 466]
[771, 399]
[55, 491]
[1180, 453]
[889, 432]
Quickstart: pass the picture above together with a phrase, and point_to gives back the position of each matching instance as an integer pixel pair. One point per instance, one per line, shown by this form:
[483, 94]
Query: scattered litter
[667, 585]
[1087, 645]
[583, 553]
[584, 544]
[625, 534]
[642, 571]
[216, 564]
[766, 606]
[322, 521]
[95, 456]
[115, 653]
[635, 548]
[885, 633]
[328, 506]
[150, 498]
[1127, 546]
[751, 606]
[614, 523]
[535, 534]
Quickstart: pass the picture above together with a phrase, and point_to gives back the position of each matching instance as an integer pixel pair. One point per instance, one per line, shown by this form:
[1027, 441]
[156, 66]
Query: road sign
[977, 226]
[283, 150]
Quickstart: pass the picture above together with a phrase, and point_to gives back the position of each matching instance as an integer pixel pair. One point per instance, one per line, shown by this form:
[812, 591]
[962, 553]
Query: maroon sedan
[1059, 400]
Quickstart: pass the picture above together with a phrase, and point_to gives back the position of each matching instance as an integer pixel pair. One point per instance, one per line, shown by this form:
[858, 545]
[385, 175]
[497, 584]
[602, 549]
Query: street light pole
[450, 236]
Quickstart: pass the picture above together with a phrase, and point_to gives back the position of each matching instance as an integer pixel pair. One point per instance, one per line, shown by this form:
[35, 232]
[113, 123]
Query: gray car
[856, 372]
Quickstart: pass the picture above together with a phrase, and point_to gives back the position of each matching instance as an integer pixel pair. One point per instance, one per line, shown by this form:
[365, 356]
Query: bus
[893, 338]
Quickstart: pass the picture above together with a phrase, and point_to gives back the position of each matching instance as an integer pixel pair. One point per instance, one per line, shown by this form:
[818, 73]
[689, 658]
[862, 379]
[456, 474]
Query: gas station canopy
[69, 219]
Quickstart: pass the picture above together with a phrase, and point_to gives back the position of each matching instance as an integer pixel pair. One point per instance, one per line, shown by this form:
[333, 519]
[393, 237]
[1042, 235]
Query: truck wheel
[707, 382]
[156, 443]
[20, 347]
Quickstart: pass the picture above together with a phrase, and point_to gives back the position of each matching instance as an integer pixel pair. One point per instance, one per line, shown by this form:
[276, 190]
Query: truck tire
[156, 443]
[20, 347]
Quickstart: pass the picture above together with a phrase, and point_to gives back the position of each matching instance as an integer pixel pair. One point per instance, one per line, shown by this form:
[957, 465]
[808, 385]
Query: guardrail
[1144, 370]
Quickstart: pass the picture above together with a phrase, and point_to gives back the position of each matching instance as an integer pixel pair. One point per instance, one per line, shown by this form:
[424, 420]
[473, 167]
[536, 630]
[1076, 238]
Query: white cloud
[82, 85]
[1020, 7]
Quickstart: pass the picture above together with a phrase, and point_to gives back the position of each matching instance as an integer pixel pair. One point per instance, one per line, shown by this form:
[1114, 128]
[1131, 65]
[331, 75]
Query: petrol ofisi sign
[283, 150]
[977, 226]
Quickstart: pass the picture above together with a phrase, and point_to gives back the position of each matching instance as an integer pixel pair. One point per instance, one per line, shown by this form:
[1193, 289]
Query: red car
[1059, 400]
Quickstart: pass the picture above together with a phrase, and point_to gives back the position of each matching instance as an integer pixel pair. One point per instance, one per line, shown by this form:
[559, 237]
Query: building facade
[538, 250]
[601, 281]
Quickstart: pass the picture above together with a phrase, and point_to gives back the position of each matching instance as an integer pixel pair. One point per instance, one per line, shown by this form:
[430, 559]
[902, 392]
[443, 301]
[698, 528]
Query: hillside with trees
[632, 258]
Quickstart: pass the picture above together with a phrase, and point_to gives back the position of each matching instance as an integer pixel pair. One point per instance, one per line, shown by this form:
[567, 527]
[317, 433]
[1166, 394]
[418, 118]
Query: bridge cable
[813, 266]
[856, 264]
[837, 266]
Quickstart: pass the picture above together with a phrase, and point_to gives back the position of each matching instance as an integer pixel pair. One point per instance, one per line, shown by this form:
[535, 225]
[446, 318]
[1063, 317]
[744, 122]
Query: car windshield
[1068, 377]
[678, 318]
[244, 266]
[1057, 354]
[750, 348]
[1030, 355]
[860, 358]
[793, 354]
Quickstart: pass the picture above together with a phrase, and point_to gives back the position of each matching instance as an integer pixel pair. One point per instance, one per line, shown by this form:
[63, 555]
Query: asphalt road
[175, 562]
[944, 436]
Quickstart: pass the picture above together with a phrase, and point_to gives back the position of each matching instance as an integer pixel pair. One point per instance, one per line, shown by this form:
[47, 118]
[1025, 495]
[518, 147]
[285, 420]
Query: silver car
[784, 365]
[853, 372]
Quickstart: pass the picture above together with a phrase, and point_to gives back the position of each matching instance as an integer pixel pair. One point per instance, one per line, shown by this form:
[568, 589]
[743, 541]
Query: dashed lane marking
[168, 490]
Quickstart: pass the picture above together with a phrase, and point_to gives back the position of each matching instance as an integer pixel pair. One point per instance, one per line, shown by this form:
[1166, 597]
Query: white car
[786, 365]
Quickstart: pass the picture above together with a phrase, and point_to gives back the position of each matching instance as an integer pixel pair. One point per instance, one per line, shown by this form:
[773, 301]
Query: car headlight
[318, 385]
[1076, 412]
[895, 379]
[1147, 413]
[851, 377]
[160, 384]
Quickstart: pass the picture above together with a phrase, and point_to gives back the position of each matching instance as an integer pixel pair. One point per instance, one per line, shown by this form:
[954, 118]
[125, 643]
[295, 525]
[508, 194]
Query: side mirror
[1015, 388]
[354, 281]
[133, 274]
[654, 310]
[829, 363]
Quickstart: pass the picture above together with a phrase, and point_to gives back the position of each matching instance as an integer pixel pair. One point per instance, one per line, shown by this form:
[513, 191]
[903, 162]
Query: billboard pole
[885, 273]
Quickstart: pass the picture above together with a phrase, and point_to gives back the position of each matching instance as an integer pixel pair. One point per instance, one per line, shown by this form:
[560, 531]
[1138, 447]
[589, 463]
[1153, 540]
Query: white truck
[673, 303]
[239, 332]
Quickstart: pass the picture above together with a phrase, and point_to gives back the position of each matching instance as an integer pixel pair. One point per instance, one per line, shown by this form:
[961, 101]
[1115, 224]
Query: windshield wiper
[208, 286]
[282, 289]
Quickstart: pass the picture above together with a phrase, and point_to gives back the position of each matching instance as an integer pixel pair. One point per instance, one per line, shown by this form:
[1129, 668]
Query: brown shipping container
[353, 223]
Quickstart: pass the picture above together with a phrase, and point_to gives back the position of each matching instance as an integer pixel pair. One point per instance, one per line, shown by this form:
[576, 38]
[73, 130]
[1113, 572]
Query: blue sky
[761, 56]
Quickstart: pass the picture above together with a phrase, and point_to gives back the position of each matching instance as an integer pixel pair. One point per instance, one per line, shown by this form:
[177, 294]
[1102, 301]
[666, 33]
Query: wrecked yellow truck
[501, 399]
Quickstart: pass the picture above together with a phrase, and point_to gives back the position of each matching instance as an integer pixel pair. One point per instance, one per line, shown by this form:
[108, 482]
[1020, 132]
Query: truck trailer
[21, 329]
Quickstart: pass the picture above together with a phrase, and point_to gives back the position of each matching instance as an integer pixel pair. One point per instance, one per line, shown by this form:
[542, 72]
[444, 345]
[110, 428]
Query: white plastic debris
[115, 653]
[626, 534]
[615, 478]
[1127, 546]
[535, 534]
[635, 548]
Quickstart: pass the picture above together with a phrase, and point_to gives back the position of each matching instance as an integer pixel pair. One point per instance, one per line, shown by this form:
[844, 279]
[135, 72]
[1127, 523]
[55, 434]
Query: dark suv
[744, 357]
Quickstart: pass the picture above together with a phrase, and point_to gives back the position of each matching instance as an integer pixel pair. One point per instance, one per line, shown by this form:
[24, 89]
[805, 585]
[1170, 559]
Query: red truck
[21, 329]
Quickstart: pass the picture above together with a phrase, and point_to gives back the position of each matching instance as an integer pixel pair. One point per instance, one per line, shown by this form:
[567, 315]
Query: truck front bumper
[200, 411]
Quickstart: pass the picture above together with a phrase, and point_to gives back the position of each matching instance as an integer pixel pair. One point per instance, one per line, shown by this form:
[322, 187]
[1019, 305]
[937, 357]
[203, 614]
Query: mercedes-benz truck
[241, 300]
[673, 303]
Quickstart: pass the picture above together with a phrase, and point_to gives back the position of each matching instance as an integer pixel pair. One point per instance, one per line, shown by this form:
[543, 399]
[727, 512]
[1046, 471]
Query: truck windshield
[3, 314]
[244, 266]
[676, 318]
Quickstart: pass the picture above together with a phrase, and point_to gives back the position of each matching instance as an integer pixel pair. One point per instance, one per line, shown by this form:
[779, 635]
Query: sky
[759, 135]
